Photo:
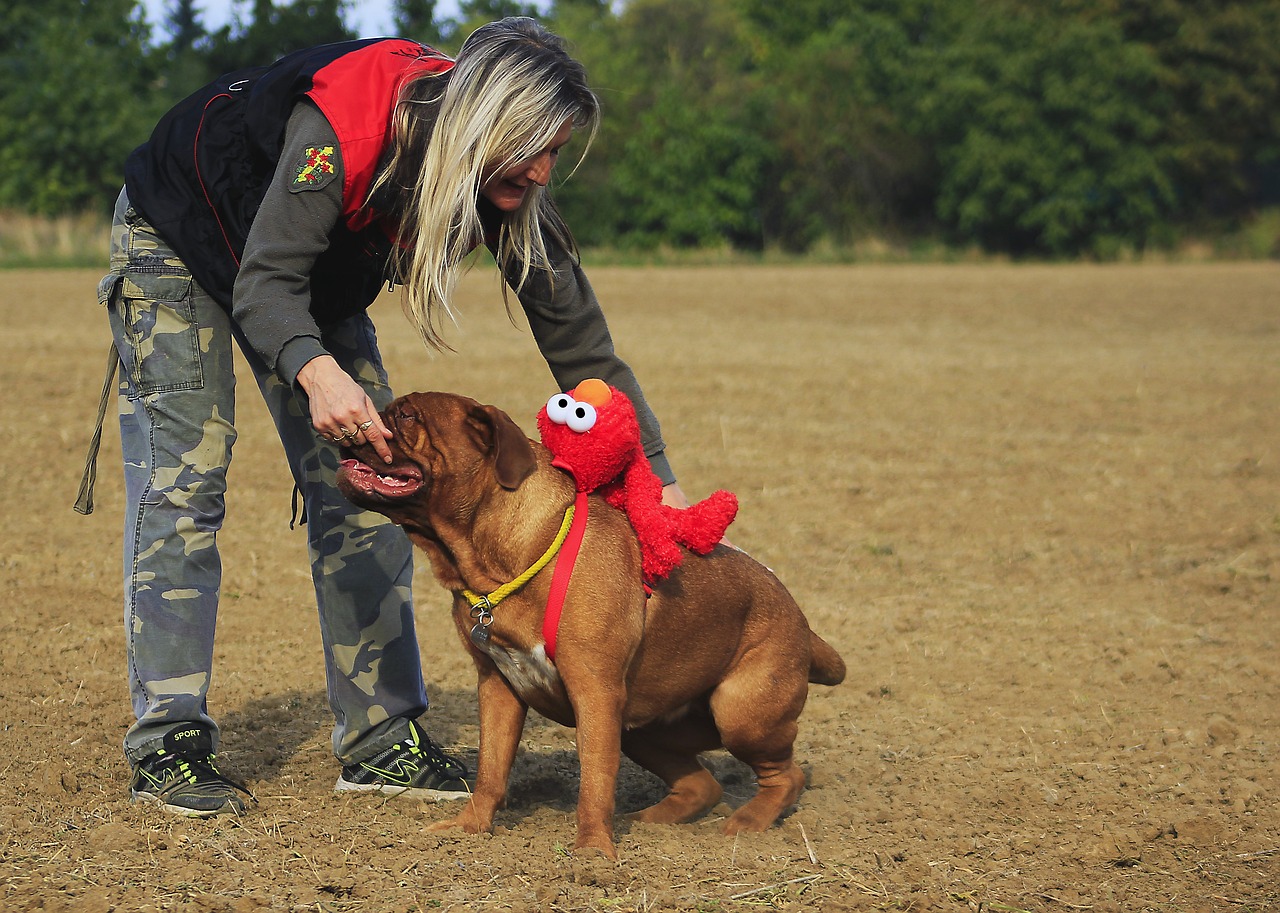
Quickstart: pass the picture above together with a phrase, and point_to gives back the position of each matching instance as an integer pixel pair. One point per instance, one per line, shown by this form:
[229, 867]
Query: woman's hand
[340, 409]
[673, 496]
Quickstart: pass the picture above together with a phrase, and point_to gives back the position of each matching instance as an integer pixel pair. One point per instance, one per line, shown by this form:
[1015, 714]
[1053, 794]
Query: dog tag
[480, 636]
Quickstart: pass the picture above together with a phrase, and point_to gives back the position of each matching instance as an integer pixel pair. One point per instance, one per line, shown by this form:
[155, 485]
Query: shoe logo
[401, 771]
[187, 734]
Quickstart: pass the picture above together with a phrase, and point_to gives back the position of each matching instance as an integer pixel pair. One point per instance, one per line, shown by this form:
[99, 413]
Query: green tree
[185, 56]
[689, 177]
[1219, 66]
[679, 159]
[275, 30]
[74, 100]
[1045, 132]
[842, 80]
[416, 19]
[588, 196]
[474, 13]
[182, 21]
[492, 10]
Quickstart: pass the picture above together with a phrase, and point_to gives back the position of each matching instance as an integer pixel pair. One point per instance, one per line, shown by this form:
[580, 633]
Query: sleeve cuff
[662, 467]
[296, 353]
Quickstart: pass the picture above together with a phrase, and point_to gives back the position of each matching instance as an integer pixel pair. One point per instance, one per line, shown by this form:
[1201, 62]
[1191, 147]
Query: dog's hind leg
[780, 784]
[671, 752]
[756, 710]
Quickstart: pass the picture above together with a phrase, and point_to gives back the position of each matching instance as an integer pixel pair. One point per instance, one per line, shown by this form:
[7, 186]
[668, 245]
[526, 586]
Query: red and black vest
[201, 177]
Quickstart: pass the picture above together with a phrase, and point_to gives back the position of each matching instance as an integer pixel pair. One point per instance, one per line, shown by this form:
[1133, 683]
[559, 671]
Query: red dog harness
[564, 570]
[564, 549]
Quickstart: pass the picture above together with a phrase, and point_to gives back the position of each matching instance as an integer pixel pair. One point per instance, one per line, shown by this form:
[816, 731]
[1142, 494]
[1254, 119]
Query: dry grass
[79, 240]
[1036, 508]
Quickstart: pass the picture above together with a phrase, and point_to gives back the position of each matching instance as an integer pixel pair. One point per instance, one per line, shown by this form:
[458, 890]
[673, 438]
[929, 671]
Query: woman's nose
[540, 170]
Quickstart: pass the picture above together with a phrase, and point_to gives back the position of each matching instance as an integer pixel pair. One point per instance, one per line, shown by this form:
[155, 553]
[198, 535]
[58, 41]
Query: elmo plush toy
[593, 434]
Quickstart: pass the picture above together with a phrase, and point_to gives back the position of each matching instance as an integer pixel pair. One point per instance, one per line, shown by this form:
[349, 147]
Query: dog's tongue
[398, 482]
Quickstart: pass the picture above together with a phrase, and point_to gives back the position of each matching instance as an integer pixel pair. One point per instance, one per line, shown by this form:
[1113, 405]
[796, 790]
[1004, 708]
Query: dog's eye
[582, 417]
[559, 407]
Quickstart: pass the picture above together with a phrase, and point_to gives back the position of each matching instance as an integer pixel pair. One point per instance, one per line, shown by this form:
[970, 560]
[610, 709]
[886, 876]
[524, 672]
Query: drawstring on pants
[84, 501]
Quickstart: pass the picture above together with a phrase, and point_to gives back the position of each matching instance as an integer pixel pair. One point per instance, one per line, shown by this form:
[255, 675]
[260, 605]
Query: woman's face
[506, 189]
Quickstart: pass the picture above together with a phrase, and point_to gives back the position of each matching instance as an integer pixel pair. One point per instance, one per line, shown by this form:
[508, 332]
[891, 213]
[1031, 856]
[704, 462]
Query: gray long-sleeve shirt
[271, 302]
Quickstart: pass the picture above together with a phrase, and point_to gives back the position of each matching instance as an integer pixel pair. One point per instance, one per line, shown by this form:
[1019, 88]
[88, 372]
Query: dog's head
[447, 452]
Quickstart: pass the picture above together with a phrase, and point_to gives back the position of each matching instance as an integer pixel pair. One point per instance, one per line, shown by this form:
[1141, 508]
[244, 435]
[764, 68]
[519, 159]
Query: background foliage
[1077, 127]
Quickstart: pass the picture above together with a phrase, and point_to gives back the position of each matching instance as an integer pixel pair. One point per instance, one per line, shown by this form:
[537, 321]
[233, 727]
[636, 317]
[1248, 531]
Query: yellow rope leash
[482, 606]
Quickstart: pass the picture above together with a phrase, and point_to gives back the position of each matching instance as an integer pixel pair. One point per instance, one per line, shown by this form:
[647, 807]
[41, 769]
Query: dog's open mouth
[393, 483]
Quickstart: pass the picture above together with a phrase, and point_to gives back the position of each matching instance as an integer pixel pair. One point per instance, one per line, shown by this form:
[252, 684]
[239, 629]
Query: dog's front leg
[599, 719]
[502, 716]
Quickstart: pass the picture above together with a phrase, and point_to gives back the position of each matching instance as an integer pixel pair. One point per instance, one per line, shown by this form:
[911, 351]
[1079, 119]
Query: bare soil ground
[1036, 508]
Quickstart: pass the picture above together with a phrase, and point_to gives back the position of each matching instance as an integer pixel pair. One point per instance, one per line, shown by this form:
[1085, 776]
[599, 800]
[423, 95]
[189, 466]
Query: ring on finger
[364, 426]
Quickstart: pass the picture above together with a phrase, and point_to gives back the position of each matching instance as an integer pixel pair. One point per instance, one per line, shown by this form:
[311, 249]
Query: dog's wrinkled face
[443, 443]
[368, 482]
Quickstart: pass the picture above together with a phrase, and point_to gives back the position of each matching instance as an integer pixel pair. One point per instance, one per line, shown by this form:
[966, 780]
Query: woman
[271, 207]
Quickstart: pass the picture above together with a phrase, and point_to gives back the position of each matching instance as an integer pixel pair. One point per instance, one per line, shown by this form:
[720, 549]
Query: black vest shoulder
[201, 177]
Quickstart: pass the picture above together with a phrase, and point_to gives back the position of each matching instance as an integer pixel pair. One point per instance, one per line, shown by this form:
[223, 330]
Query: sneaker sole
[413, 792]
[228, 808]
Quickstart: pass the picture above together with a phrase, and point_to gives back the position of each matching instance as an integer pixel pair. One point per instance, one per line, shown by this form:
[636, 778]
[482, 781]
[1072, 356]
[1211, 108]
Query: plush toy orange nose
[593, 391]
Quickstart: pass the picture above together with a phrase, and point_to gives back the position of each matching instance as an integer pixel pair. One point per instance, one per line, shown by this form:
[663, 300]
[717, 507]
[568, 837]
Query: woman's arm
[570, 328]
[272, 298]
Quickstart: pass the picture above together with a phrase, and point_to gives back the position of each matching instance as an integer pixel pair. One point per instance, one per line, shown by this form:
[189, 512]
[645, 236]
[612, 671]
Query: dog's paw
[468, 823]
[595, 846]
[696, 797]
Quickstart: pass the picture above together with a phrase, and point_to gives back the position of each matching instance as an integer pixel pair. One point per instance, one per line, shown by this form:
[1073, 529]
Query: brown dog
[719, 656]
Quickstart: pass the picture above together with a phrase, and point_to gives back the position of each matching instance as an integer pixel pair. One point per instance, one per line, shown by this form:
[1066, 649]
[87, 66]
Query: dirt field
[1036, 508]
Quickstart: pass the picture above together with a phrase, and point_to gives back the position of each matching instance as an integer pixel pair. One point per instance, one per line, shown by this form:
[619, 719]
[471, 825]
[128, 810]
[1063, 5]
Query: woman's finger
[375, 431]
[377, 441]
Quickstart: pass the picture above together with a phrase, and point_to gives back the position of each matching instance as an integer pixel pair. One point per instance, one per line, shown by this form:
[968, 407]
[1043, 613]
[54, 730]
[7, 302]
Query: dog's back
[712, 614]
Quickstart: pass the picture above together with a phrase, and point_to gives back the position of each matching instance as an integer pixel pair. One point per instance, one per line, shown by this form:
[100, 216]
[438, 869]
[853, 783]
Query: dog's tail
[825, 665]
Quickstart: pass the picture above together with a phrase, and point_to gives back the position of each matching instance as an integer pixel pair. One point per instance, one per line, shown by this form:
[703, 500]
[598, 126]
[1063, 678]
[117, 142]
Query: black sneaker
[182, 778]
[416, 767]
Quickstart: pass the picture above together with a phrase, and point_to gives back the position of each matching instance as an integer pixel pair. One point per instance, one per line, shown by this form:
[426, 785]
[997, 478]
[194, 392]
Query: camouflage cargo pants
[177, 428]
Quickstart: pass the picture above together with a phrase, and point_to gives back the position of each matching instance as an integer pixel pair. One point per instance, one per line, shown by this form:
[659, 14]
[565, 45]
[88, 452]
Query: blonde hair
[511, 89]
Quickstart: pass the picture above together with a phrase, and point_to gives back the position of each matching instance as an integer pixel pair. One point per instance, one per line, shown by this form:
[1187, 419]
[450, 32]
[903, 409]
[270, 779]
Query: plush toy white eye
[559, 407]
[582, 417]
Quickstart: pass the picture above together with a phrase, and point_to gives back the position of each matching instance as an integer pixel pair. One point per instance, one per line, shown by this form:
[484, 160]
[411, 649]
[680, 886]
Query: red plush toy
[593, 434]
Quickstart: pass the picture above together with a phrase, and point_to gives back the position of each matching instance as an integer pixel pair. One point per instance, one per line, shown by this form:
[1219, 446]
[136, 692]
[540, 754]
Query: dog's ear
[513, 459]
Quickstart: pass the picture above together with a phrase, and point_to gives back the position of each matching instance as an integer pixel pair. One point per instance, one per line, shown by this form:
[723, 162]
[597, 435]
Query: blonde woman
[271, 208]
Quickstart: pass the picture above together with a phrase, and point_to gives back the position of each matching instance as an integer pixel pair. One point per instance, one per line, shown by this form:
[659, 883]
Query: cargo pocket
[154, 316]
[107, 288]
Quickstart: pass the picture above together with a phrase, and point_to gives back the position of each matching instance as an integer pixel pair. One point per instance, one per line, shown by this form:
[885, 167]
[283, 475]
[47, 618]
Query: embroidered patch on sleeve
[315, 168]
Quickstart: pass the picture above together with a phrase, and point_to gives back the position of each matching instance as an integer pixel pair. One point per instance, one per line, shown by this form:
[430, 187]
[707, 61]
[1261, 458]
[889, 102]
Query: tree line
[1064, 128]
